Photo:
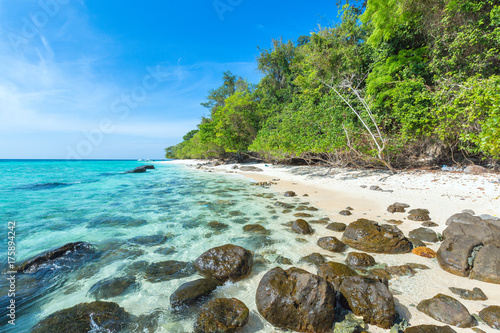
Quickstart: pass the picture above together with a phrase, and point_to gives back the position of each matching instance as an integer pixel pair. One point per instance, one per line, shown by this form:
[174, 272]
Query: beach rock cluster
[471, 247]
[141, 169]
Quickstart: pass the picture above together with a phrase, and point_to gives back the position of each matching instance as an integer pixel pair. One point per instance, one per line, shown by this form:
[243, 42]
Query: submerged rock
[150, 240]
[112, 287]
[302, 227]
[332, 244]
[83, 317]
[168, 270]
[370, 299]
[447, 310]
[223, 263]
[368, 236]
[69, 252]
[297, 300]
[256, 228]
[475, 294]
[222, 315]
[192, 291]
[357, 259]
[216, 225]
[491, 316]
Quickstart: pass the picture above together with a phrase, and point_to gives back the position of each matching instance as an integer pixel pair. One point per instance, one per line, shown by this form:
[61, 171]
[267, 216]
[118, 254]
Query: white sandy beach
[442, 193]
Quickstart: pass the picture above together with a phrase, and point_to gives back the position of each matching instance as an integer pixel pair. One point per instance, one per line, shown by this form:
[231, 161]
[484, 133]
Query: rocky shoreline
[320, 293]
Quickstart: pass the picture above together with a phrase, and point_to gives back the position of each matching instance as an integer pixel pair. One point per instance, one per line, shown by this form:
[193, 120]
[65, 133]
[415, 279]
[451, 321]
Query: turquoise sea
[132, 221]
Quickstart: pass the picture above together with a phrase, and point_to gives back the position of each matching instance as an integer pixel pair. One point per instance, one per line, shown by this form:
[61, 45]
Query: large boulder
[487, 265]
[447, 310]
[455, 253]
[70, 252]
[369, 236]
[296, 300]
[223, 263]
[370, 299]
[335, 273]
[110, 317]
[222, 315]
[192, 291]
[491, 316]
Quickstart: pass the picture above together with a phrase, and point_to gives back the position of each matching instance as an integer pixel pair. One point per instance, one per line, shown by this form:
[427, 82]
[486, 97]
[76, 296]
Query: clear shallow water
[58, 202]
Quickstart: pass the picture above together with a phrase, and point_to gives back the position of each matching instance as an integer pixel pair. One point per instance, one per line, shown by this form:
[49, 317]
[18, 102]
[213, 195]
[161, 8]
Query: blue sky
[125, 79]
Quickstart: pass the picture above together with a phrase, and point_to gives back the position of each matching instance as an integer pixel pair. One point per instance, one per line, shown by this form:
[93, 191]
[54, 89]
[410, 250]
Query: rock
[222, 315]
[487, 265]
[150, 240]
[192, 291]
[487, 231]
[314, 259]
[396, 222]
[168, 270]
[397, 207]
[424, 252]
[350, 324]
[250, 168]
[345, 212]
[335, 273]
[401, 270]
[475, 169]
[429, 329]
[256, 228]
[302, 227]
[380, 273]
[375, 188]
[430, 224]
[223, 263]
[464, 218]
[331, 243]
[290, 194]
[336, 226]
[475, 294]
[424, 234]
[216, 225]
[302, 215]
[283, 261]
[491, 316]
[370, 237]
[416, 242]
[68, 252]
[370, 299]
[139, 169]
[112, 287]
[419, 215]
[357, 259]
[82, 317]
[454, 253]
[447, 310]
[296, 300]
[149, 167]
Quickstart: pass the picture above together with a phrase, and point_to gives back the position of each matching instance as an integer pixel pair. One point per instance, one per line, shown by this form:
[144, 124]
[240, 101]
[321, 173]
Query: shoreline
[442, 193]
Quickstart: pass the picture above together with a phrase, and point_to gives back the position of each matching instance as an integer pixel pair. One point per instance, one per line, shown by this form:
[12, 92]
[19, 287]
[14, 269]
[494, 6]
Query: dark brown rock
[345, 212]
[314, 259]
[108, 316]
[487, 265]
[419, 215]
[424, 234]
[370, 237]
[222, 315]
[397, 207]
[223, 263]
[357, 259]
[416, 242]
[335, 273]
[475, 294]
[302, 215]
[454, 253]
[256, 228]
[447, 310]
[491, 316]
[429, 329]
[370, 299]
[297, 300]
[302, 227]
[290, 194]
[331, 243]
[430, 224]
[336, 226]
[192, 291]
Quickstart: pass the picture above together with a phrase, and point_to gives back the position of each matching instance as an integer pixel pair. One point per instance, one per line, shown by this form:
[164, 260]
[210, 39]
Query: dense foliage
[388, 76]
